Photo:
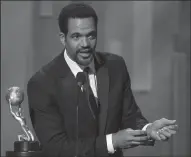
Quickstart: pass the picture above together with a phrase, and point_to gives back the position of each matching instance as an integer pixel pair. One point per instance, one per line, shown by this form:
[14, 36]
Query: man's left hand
[162, 129]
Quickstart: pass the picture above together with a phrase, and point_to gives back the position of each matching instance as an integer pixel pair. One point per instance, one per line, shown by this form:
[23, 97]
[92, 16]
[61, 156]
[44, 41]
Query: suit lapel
[103, 90]
[69, 90]
[66, 82]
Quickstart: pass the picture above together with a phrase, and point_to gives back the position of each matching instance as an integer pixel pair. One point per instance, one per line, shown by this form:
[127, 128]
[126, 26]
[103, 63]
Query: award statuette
[25, 146]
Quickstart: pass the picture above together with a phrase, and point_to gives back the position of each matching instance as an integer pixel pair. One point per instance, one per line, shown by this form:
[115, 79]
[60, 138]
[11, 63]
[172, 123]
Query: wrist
[114, 141]
[149, 130]
[110, 147]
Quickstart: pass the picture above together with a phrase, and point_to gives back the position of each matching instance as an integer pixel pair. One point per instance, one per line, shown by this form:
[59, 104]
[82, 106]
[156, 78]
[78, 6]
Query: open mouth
[85, 54]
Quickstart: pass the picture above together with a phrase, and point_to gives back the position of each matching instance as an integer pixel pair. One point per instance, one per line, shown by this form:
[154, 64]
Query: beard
[84, 57]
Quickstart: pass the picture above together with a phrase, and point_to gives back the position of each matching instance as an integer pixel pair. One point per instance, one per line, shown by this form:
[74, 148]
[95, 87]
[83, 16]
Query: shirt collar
[74, 67]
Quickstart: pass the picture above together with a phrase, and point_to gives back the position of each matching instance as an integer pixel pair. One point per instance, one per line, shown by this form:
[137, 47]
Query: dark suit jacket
[53, 95]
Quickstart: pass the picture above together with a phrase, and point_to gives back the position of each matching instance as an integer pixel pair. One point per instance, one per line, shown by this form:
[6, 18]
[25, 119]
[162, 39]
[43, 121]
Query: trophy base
[23, 154]
[25, 149]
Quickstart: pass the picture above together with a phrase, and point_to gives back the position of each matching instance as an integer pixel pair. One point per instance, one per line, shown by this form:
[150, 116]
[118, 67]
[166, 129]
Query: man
[67, 121]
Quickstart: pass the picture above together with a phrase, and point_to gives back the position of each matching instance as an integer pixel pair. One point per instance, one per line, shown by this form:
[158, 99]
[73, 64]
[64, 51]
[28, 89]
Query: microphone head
[81, 78]
[15, 96]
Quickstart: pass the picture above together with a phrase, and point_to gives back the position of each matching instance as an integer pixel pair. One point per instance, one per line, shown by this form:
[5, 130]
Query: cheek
[71, 46]
[93, 43]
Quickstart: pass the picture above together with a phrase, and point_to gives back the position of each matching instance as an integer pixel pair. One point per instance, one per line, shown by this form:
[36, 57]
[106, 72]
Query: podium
[25, 149]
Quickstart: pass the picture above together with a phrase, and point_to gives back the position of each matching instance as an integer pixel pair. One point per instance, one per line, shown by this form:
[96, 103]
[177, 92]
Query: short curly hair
[75, 10]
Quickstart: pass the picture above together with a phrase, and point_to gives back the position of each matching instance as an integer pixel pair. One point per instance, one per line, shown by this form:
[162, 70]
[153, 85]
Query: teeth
[85, 54]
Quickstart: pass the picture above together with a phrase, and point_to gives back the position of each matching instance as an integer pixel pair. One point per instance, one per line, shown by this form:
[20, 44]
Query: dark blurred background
[152, 36]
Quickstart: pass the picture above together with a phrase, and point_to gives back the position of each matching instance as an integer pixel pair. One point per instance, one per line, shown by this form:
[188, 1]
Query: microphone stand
[77, 118]
[77, 125]
[80, 81]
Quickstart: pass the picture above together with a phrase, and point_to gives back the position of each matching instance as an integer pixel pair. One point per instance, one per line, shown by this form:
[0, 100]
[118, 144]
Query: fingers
[138, 135]
[156, 136]
[166, 133]
[167, 129]
[129, 138]
[172, 127]
[141, 138]
[173, 132]
[162, 137]
[138, 143]
[134, 144]
[138, 132]
[170, 131]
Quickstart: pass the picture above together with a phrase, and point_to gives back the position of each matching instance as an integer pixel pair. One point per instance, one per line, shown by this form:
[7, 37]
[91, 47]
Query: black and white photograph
[95, 78]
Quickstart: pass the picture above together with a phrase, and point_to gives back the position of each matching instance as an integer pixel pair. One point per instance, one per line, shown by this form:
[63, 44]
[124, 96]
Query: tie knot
[87, 70]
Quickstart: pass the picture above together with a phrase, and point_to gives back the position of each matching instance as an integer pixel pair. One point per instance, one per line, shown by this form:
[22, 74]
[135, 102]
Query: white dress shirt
[75, 68]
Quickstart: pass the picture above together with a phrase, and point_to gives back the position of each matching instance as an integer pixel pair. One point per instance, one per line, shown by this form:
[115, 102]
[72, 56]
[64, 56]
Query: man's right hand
[129, 138]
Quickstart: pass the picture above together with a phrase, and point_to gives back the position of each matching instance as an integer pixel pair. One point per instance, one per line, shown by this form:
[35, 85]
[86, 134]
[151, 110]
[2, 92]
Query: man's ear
[62, 38]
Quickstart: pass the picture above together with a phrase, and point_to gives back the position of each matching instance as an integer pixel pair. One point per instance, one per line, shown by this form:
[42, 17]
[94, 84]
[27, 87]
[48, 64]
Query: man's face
[80, 41]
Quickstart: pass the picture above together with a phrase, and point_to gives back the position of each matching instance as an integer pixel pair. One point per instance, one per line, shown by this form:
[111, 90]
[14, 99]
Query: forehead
[81, 25]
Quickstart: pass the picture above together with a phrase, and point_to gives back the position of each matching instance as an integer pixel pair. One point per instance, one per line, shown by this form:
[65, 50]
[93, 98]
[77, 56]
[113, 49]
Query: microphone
[81, 79]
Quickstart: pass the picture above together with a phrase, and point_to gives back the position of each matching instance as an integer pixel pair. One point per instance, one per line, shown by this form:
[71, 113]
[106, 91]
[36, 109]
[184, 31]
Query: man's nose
[85, 42]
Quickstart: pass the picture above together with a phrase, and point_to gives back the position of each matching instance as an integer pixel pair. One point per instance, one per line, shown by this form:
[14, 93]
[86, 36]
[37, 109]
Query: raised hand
[162, 129]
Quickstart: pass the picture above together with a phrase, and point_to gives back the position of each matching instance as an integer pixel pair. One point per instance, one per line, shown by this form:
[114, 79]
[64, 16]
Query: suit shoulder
[110, 56]
[114, 59]
[115, 62]
[44, 72]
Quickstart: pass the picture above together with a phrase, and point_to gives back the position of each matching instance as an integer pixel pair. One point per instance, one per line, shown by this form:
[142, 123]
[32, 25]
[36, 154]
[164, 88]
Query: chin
[84, 62]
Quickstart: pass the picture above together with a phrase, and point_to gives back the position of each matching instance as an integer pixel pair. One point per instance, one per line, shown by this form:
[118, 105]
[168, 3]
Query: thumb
[168, 122]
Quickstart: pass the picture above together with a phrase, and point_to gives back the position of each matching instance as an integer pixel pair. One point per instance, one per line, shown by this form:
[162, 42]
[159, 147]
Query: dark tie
[92, 101]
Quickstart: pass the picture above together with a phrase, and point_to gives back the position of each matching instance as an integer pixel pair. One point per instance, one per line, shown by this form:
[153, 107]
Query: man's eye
[75, 37]
[91, 36]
